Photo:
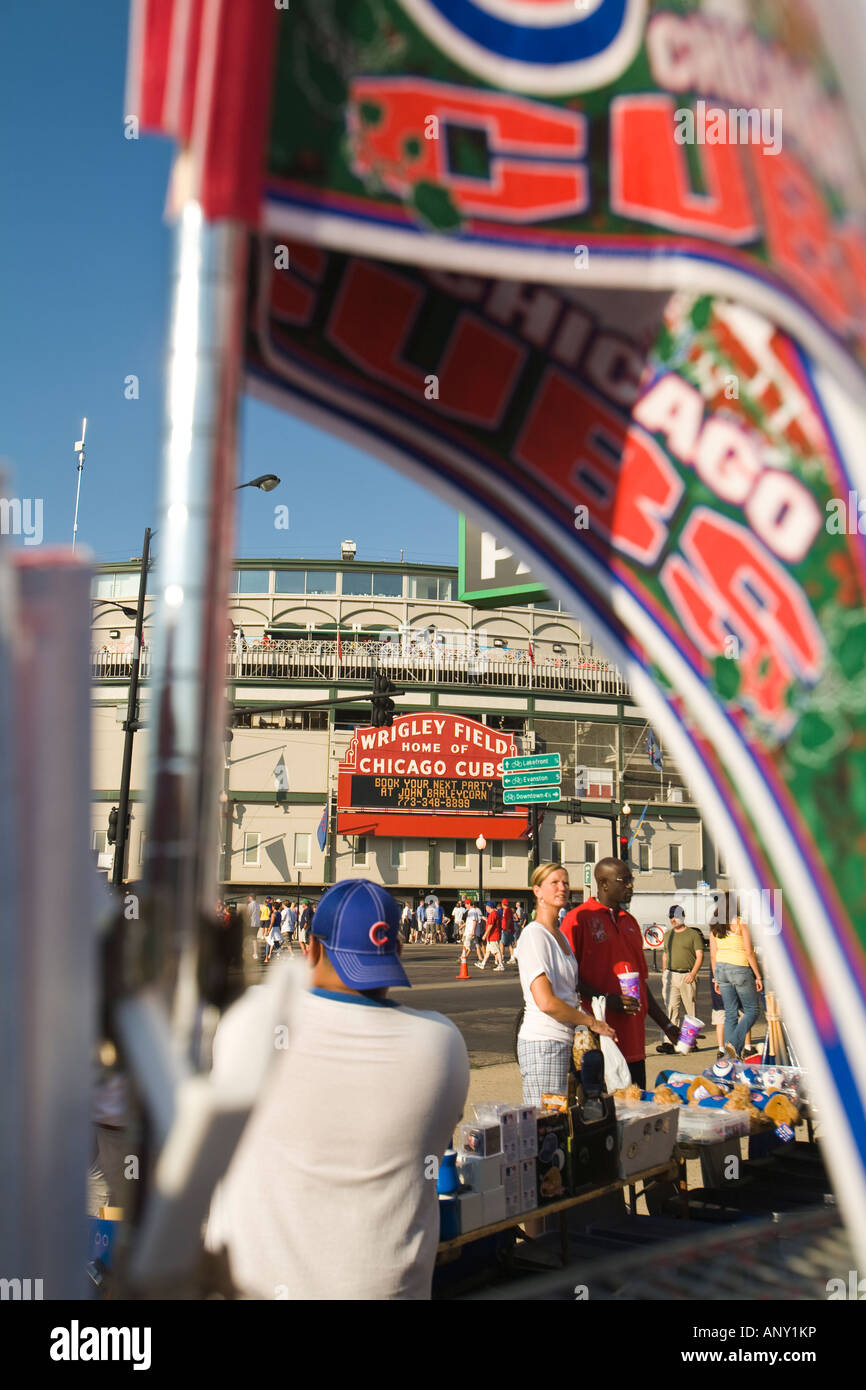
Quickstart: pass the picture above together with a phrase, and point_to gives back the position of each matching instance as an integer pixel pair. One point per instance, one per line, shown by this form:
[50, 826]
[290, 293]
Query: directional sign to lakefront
[548, 777]
[523, 796]
[533, 778]
[532, 762]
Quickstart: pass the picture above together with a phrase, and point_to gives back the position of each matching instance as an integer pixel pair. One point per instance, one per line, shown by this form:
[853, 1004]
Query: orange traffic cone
[464, 968]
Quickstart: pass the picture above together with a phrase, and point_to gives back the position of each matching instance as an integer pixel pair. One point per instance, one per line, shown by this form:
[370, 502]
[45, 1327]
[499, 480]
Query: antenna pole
[79, 449]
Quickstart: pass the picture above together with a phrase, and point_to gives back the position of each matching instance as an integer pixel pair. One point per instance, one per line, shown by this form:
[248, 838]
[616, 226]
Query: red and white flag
[531, 657]
[339, 646]
[202, 72]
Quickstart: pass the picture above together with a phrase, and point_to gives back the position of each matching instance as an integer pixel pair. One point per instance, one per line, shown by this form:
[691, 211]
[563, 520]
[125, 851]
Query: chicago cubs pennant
[681, 470]
[614, 142]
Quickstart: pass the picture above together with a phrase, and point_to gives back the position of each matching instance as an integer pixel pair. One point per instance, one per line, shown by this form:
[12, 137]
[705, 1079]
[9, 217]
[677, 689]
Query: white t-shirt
[468, 932]
[430, 915]
[458, 914]
[537, 954]
[326, 1197]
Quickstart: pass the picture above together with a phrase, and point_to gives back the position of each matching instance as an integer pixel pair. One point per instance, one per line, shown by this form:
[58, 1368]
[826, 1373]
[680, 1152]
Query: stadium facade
[301, 633]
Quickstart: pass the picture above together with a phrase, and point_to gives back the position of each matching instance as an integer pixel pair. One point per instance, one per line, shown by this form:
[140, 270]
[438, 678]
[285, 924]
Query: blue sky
[84, 257]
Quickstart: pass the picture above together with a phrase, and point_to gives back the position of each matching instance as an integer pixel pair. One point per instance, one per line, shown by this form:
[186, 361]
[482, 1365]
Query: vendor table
[447, 1249]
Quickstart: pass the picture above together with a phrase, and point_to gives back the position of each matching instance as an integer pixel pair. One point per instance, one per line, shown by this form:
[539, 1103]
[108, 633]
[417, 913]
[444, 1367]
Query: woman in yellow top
[735, 971]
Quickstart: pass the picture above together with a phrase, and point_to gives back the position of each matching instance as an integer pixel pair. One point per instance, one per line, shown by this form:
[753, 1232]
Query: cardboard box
[480, 1174]
[527, 1132]
[553, 1173]
[511, 1179]
[646, 1133]
[528, 1184]
[593, 1146]
[483, 1140]
[494, 1205]
[511, 1146]
[512, 1203]
[471, 1210]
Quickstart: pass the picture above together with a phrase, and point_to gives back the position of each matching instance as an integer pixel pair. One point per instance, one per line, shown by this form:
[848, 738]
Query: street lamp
[480, 845]
[622, 846]
[266, 483]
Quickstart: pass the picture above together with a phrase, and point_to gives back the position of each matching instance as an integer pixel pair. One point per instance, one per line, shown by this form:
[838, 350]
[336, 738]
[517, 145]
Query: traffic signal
[623, 847]
[111, 833]
[497, 805]
[382, 704]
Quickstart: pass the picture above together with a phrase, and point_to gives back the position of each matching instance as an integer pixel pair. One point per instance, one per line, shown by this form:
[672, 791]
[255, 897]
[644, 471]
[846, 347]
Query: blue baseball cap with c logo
[358, 922]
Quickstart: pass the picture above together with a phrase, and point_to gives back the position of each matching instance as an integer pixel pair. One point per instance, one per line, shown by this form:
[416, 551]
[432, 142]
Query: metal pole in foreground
[196, 516]
[131, 722]
[536, 847]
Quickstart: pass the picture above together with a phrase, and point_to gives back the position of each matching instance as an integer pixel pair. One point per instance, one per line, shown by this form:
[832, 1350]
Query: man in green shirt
[681, 960]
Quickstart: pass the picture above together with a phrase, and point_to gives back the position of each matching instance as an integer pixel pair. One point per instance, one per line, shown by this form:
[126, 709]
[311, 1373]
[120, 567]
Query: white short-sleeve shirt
[347, 1210]
[538, 954]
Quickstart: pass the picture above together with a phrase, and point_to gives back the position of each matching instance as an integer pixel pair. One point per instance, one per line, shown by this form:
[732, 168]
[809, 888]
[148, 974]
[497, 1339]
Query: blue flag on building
[654, 753]
[322, 832]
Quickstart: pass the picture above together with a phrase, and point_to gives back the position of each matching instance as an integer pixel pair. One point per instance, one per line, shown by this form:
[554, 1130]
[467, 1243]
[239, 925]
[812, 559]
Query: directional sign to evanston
[531, 762]
[549, 776]
[523, 796]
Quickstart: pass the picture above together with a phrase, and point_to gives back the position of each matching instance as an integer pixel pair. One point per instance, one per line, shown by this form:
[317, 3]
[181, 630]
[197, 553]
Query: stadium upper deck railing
[322, 661]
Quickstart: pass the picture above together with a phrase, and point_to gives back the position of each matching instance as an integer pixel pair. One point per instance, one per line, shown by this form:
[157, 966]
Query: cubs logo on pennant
[550, 46]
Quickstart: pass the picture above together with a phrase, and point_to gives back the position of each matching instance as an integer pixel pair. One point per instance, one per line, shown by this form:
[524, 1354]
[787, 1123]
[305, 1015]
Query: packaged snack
[555, 1100]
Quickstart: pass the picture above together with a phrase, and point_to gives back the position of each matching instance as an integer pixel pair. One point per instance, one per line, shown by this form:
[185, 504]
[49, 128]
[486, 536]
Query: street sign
[549, 776]
[587, 875]
[654, 936]
[532, 762]
[523, 796]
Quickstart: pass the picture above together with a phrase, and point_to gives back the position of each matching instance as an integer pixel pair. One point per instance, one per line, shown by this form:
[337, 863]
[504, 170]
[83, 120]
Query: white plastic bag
[616, 1072]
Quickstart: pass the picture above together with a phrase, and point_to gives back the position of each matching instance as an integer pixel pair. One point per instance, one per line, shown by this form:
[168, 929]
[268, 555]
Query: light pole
[621, 851]
[266, 483]
[79, 451]
[481, 845]
[131, 723]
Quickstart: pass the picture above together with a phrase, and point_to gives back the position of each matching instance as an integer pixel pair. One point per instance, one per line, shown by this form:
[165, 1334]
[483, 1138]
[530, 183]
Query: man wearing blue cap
[331, 1193]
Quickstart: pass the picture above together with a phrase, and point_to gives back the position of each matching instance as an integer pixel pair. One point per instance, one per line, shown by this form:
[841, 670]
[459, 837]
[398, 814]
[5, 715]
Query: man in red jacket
[603, 935]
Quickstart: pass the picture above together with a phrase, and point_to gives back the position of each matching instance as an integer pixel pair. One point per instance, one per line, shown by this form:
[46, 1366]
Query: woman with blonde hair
[548, 976]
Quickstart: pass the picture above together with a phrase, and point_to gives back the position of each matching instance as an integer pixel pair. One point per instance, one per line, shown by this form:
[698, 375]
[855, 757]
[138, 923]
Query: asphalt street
[485, 1007]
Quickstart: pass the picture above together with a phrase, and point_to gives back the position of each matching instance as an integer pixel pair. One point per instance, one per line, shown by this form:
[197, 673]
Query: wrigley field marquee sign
[428, 775]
